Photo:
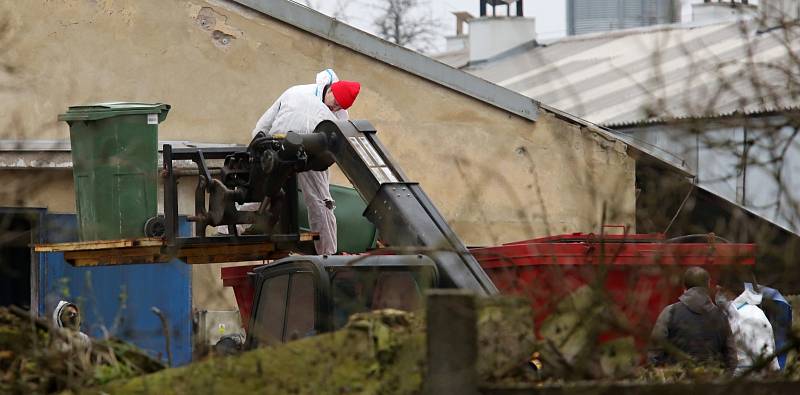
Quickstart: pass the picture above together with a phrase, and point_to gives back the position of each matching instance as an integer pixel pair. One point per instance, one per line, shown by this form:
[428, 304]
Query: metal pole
[170, 197]
[452, 342]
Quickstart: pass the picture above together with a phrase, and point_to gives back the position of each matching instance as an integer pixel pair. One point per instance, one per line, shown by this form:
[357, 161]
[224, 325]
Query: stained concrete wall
[495, 176]
[52, 189]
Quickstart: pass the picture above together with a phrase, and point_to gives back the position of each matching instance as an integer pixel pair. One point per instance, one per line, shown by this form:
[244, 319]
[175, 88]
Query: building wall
[495, 176]
[51, 189]
[715, 151]
[591, 16]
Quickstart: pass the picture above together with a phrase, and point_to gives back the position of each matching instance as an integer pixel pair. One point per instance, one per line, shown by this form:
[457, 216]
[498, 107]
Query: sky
[550, 14]
[551, 19]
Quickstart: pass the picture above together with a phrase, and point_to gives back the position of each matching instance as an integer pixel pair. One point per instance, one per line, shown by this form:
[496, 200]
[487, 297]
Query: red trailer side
[640, 273]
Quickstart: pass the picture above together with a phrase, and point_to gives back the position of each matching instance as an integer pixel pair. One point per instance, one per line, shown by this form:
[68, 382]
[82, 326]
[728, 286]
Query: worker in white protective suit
[299, 109]
[67, 323]
[752, 331]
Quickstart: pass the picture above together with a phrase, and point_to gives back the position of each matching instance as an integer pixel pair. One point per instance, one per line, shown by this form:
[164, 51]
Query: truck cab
[301, 296]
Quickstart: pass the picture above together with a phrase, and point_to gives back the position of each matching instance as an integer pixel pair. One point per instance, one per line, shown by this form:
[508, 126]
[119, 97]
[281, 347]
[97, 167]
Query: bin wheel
[155, 227]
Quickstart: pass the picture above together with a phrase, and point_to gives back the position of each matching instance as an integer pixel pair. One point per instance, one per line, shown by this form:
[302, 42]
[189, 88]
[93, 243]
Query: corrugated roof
[647, 75]
[457, 58]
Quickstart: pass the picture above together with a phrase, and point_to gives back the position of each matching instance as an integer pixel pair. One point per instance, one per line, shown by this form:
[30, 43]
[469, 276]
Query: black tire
[155, 227]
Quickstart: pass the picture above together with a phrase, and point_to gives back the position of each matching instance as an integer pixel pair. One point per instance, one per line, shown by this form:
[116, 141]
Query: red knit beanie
[345, 92]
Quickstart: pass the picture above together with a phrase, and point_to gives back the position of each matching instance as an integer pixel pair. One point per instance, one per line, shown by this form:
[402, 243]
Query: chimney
[459, 41]
[495, 3]
[721, 11]
[490, 35]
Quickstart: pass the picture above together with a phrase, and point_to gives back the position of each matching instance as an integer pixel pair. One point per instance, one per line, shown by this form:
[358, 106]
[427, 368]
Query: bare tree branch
[408, 23]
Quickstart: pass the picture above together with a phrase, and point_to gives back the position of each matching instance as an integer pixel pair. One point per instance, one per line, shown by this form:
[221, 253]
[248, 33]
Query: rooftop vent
[490, 35]
[495, 3]
[460, 40]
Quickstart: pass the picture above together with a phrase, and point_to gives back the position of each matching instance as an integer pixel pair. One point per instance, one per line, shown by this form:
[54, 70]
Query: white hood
[751, 329]
[749, 296]
[324, 78]
[57, 313]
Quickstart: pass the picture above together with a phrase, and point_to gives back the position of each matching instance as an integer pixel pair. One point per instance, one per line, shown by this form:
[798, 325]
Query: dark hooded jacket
[694, 328]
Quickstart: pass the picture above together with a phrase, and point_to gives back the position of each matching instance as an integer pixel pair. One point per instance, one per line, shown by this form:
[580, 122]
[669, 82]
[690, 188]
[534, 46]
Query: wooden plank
[194, 254]
[196, 260]
[126, 252]
[99, 245]
[226, 249]
[117, 260]
[235, 253]
[192, 259]
[115, 256]
[309, 236]
[125, 243]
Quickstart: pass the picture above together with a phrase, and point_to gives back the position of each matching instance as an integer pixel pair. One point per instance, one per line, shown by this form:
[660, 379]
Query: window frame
[288, 300]
[428, 274]
[319, 278]
[254, 319]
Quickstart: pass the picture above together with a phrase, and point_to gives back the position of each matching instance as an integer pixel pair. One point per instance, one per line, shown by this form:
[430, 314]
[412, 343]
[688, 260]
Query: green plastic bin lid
[93, 112]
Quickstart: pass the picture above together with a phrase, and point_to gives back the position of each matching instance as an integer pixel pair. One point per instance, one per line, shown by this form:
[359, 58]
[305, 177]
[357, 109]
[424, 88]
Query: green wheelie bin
[115, 166]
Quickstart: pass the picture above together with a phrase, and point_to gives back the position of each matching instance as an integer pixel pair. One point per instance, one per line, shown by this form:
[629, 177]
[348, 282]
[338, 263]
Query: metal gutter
[407, 60]
[64, 145]
[34, 145]
[659, 158]
[746, 210]
[759, 112]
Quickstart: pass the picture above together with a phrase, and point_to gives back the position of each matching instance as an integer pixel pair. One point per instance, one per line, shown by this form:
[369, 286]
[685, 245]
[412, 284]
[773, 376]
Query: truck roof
[348, 260]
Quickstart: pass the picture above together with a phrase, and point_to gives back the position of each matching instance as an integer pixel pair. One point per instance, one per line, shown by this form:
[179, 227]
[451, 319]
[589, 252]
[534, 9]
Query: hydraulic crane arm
[399, 208]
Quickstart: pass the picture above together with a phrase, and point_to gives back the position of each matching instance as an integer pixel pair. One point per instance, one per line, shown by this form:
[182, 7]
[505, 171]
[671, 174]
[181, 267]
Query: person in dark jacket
[779, 314]
[693, 329]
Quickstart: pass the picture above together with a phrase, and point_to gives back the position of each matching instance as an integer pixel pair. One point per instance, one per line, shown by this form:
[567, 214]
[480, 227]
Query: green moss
[374, 355]
[381, 352]
[31, 364]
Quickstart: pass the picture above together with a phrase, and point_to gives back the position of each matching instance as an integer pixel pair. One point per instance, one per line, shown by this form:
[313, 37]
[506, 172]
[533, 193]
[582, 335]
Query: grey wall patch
[212, 21]
[207, 18]
[221, 39]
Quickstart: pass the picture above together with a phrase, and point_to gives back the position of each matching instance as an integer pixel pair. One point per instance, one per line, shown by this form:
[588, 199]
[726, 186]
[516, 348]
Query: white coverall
[68, 340]
[751, 330]
[299, 109]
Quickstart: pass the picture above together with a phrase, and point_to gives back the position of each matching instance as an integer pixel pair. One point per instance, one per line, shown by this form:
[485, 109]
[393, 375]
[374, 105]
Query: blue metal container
[117, 301]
